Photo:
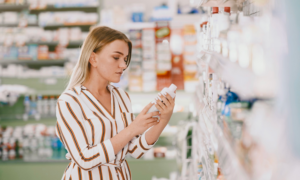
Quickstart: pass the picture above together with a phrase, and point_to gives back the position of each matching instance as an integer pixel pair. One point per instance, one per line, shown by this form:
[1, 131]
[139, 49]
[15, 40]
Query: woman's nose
[123, 65]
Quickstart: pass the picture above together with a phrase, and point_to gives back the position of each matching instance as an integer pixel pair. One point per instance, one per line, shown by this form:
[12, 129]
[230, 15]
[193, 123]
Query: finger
[146, 109]
[165, 101]
[151, 120]
[169, 97]
[149, 115]
[161, 104]
[158, 107]
[152, 124]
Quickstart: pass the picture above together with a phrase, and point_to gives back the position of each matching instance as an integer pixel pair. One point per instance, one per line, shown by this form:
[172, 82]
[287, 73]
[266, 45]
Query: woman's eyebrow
[118, 52]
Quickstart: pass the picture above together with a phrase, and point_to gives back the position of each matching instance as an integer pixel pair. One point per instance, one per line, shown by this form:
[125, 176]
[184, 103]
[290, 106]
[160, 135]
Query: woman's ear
[93, 59]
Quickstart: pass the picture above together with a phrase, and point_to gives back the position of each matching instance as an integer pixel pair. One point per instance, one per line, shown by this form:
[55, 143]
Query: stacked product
[135, 74]
[30, 143]
[190, 66]
[149, 64]
[235, 97]
[163, 54]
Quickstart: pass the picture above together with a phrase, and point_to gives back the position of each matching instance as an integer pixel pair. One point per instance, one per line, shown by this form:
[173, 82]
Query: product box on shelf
[176, 44]
[190, 58]
[28, 52]
[135, 70]
[149, 63]
[163, 55]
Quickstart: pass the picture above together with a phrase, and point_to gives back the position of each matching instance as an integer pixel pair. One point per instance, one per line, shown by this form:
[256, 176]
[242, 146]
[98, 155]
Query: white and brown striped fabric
[85, 127]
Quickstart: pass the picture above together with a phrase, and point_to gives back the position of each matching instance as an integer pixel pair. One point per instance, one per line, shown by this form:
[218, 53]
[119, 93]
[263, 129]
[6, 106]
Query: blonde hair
[94, 42]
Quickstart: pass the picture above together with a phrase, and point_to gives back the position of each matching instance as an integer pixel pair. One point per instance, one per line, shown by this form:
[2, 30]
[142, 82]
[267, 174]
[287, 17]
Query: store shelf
[55, 43]
[83, 26]
[242, 80]
[140, 169]
[12, 7]
[228, 159]
[131, 25]
[129, 160]
[20, 122]
[44, 62]
[17, 25]
[41, 84]
[51, 121]
[218, 3]
[71, 44]
[73, 8]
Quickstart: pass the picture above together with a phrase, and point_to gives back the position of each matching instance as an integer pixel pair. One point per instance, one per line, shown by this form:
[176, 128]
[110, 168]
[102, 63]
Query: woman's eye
[125, 60]
[116, 58]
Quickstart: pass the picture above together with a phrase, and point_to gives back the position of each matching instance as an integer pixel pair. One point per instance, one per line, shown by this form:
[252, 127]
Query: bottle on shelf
[5, 149]
[27, 108]
[39, 106]
[52, 106]
[33, 106]
[45, 105]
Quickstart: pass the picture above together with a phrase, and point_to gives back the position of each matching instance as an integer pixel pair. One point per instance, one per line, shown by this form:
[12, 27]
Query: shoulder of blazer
[69, 96]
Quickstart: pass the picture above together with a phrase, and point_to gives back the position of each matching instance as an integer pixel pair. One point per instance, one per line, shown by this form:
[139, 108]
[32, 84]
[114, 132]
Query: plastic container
[170, 90]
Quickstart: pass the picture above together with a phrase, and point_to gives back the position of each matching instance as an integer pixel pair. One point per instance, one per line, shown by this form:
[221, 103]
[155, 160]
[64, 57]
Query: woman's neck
[96, 85]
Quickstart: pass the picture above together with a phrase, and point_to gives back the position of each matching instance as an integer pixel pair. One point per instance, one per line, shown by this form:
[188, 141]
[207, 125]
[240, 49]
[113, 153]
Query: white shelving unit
[242, 80]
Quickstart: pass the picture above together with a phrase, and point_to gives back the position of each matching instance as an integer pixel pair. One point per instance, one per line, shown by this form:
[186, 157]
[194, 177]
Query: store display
[163, 54]
[229, 60]
[149, 60]
[30, 143]
[176, 46]
[78, 18]
[189, 55]
[135, 74]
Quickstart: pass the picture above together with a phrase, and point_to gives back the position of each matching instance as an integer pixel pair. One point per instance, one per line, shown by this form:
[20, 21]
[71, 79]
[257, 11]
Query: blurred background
[235, 63]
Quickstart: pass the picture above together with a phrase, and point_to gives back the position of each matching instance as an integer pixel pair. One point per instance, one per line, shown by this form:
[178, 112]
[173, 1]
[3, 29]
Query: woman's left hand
[166, 107]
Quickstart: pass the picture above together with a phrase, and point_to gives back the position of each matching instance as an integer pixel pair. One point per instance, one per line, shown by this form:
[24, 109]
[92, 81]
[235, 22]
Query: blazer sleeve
[70, 130]
[138, 146]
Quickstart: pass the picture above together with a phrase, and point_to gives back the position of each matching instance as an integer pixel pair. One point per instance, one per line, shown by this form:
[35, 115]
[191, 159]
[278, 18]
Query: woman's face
[110, 62]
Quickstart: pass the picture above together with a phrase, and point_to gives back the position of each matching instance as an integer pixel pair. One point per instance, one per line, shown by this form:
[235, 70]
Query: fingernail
[164, 93]
[159, 94]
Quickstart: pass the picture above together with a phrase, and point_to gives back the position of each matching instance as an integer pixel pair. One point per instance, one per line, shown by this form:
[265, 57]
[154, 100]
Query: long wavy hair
[95, 41]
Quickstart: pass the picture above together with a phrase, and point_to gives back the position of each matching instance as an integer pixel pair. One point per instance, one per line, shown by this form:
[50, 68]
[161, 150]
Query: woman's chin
[115, 80]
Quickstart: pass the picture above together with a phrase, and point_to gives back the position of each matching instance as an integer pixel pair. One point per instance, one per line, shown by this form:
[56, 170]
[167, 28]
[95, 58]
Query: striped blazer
[85, 128]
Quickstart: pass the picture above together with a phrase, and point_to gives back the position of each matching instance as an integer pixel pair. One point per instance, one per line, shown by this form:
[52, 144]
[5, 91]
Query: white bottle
[52, 105]
[39, 107]
[170, 90]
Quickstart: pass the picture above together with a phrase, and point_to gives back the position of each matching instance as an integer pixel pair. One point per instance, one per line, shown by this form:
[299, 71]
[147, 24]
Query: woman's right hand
[144, 121]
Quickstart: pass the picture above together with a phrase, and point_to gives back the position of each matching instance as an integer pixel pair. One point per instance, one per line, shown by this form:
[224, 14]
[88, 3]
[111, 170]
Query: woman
[95, 120]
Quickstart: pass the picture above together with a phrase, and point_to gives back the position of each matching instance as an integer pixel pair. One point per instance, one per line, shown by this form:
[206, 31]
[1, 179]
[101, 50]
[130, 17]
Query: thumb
[146, 109]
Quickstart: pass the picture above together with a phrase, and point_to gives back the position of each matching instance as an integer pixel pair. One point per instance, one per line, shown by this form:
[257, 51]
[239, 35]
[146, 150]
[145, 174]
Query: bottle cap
[172, 88]
[227, 9]
[215, 10]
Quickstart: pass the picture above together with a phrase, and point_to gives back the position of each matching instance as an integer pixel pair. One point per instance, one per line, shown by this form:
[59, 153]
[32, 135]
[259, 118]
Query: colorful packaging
[176, 44]
[190, 66]
[163, 55]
